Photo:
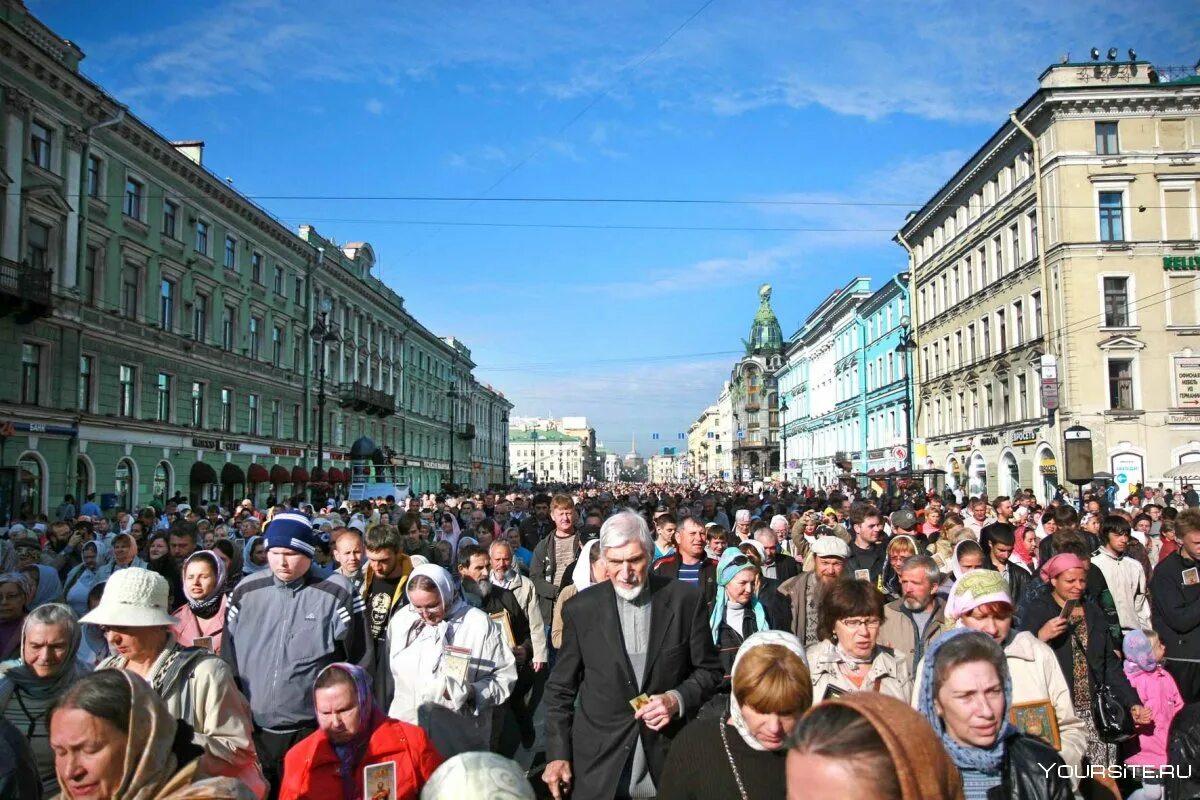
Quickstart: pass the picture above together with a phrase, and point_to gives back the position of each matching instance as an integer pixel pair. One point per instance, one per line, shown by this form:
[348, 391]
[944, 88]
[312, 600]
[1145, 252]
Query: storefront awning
[280, 474]
[299, 475]
[232, 474]
[201, 473]
[257, 473]
[336, 475]
[318, 474]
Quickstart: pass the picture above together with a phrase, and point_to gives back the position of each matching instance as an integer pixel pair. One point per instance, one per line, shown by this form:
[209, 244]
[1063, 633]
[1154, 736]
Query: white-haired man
[638, 639]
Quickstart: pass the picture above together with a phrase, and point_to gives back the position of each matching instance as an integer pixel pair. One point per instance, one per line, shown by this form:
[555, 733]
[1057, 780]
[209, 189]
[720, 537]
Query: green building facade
[157, 325]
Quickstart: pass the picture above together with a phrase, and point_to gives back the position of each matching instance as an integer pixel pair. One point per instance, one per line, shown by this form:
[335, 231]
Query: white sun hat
[134, 598]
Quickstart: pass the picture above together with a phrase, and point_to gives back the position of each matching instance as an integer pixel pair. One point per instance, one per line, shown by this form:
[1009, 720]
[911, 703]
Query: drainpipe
[909, 420]
[862, 388]
[80, 257]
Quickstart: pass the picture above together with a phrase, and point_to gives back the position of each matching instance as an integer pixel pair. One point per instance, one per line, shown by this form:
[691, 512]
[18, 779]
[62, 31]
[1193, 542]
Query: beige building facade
[1054, 283]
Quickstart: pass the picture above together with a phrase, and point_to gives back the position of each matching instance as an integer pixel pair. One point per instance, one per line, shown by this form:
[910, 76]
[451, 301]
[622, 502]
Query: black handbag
[1114, 723]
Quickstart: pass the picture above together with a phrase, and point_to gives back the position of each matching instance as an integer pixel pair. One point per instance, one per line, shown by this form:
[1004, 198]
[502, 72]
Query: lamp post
[906, 348]
[783, 463]
[322, 335]
[452, 393]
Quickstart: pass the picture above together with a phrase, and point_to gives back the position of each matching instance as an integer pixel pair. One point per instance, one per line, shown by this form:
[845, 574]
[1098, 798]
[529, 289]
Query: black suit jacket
[589, 721]
[785, 567]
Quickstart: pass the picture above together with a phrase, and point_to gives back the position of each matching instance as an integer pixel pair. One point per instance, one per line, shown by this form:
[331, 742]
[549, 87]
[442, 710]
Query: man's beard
[480, 589]
[629, 595]
[913, 604]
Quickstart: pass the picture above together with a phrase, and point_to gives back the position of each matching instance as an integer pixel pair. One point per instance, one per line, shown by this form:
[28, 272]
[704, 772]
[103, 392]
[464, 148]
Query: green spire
[765, 333]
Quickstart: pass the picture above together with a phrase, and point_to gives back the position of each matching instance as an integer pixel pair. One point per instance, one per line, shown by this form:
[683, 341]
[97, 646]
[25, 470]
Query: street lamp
[452, 393]
[322, 335]
[906, 348]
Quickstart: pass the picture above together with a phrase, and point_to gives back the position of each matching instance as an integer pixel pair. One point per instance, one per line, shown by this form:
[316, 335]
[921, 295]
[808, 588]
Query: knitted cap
[293, 531]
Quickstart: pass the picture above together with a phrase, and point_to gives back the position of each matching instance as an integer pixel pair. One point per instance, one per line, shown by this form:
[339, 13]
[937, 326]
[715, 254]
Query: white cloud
[374, 106]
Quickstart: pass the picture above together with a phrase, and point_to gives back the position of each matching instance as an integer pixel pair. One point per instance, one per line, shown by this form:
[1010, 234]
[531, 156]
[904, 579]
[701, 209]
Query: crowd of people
[619, 641]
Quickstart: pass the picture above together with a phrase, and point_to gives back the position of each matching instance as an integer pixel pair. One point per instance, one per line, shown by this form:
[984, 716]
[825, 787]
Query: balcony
[24, 291]
[752, 405]
[465, 430]
[358, 397]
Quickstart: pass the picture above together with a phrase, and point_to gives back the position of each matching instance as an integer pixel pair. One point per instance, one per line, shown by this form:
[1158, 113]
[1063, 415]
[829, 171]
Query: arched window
[31, 484]
[163, 475]
[83, 480]
[126, 484]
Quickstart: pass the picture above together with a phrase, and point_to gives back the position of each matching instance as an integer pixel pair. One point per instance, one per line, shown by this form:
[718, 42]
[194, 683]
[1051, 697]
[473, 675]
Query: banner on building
[1187, 382]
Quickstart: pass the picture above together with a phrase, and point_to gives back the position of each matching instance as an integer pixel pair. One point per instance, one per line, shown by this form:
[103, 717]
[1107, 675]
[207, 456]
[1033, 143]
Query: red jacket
[310, 769]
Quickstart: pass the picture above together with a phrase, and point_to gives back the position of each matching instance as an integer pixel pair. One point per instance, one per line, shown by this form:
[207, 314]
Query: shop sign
[1049, 466]
[204, 444]
[1025, 436]
[1049, 382]
[411, 462]
[988, 440]
[293, 452]
[1187, 382]
[963, 448]
[1183, 419]
[231, 447]
[1126, 470]
[10, 428]
[1181, 263]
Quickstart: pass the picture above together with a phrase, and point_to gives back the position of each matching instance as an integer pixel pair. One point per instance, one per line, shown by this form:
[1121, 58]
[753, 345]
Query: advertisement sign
[1126, 470]
[1187, 382]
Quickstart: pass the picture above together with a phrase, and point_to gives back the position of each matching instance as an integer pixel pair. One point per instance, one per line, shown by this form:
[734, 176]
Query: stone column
[76, 197]
[17, 106]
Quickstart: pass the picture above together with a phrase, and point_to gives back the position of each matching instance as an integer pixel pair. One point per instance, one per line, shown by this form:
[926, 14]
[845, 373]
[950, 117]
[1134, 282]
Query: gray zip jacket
[279, 636]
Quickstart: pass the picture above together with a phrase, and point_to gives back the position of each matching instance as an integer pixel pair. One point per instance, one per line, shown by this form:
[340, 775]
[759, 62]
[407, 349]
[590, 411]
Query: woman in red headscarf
[1077, 632]
[353, 734]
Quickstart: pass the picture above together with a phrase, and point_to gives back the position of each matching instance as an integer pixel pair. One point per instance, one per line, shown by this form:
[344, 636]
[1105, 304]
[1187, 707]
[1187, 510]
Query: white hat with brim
[133, 598]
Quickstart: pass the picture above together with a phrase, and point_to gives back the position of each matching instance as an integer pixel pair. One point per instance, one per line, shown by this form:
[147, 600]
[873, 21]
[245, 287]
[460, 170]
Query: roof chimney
[193, 149]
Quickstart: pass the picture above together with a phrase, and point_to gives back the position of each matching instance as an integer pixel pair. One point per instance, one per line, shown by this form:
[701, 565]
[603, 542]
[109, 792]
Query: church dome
[765, 333]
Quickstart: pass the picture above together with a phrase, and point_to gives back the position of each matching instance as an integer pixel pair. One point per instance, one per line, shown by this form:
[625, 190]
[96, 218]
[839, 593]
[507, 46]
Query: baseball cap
[904, 520]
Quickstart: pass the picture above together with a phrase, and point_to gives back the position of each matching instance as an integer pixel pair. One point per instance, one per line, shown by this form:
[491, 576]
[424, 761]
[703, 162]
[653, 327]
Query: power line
[596, 227]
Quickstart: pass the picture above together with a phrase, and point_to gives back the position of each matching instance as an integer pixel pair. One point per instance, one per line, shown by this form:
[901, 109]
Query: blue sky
[825, 102]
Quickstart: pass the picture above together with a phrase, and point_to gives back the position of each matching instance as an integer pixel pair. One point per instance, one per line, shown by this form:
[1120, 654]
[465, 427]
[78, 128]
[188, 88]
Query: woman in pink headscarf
[1076, 630]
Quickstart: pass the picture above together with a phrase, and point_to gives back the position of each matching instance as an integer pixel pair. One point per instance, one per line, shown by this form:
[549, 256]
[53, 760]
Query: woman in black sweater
[742, 754]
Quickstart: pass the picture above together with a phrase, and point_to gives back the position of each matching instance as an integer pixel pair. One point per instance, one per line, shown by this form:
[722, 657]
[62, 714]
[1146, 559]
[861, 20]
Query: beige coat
[900, 633]
[1037, 676]
[556, 626]
[528, 599]
[892, 672]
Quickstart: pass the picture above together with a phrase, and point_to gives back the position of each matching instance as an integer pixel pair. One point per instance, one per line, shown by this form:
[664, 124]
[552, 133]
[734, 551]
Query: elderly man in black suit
[638, 658]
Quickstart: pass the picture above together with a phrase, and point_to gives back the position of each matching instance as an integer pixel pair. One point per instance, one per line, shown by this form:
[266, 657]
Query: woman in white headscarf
[589, 570]
[450, 664]
[742, 753]
[96, 557]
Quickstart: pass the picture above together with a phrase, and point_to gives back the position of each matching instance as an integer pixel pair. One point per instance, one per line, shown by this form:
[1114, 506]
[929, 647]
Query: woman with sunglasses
[849, 658]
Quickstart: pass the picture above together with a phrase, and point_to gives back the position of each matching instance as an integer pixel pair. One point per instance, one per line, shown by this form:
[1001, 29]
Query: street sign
[900, 453]
[1049, 382]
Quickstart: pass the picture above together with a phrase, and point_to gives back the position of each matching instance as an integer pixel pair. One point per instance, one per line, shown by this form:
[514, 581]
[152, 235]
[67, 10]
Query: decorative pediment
[48, 195]
[1122, 342]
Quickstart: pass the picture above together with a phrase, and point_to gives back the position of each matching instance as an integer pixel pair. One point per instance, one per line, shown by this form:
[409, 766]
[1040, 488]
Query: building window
[255, 328]
[227, 322]
[227, 410]
[37, 245]
[1106, 139]
[253, 414]
[132, 206]
[296, 422]
[91, 268]
[1037, 314]
[279, 280]
[200, 317]
[93, 176]
[998, 249]
[256, 267]
[1120, 383]
[1001, 331]
[230, 260]
[166, 306]
[1018, 322]
[125, 376]
[1022, 397]
[1014, 243]
[277, 346]
[41, 138]
[197, 405]
[129, 292]
[986, 327]
[86, 366]
[1034, 243]
[298, 290]
[169, 218]
[164, 397]
[31, 373]
[202, 238]
[1116, 302]
[1112, 224]
[276, 422]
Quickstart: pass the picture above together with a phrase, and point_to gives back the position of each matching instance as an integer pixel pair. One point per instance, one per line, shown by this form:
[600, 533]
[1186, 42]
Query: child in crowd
[1144, 652]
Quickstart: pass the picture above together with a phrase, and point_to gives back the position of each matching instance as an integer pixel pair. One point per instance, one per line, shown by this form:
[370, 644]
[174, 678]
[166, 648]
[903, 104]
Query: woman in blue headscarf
[254, 555]
[966, 694]
[353, 732]
[47, 588]
[737, 614]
